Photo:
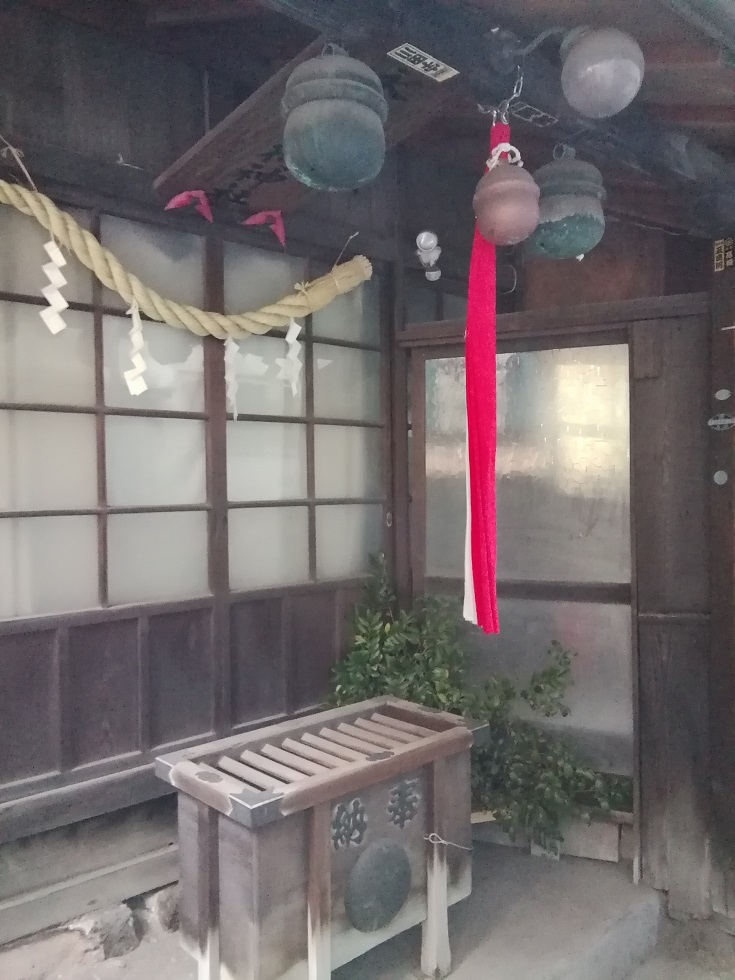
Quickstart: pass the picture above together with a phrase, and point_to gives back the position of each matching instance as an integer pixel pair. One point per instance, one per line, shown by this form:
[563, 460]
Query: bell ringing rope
[480, 595]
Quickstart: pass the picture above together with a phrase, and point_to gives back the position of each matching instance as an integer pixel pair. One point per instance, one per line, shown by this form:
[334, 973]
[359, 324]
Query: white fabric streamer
[469, 610]
[291, 365]
[134, 376]
[56, 303]
[232, 352]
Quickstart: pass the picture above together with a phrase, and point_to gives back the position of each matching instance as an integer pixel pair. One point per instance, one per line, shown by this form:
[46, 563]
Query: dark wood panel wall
[89, 107]
[630, 262]
[89, 701]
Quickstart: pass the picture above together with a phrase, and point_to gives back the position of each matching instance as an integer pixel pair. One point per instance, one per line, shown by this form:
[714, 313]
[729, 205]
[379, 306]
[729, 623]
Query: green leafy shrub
[531, 780]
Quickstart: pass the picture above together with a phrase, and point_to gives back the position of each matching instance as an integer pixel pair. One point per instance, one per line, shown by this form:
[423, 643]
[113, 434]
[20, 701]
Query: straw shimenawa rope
[308, 297]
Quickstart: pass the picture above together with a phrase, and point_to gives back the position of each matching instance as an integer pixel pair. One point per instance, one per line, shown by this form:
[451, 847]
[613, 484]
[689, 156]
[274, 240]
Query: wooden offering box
[305, 844]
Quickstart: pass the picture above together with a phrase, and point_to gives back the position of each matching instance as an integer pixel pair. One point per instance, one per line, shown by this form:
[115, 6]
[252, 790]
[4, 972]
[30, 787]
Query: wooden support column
[722, 572]
[669, 401]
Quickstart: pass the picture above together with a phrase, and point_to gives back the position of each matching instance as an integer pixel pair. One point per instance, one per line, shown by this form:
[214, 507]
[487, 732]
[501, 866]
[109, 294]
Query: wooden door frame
[635, 322]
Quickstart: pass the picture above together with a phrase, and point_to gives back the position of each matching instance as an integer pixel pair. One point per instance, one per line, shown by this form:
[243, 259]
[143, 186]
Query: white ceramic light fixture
[603, 71]
[428, 252]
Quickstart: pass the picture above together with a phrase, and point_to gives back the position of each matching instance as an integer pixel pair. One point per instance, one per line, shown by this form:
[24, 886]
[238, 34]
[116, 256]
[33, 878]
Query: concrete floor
[528, 918]
[695, 951]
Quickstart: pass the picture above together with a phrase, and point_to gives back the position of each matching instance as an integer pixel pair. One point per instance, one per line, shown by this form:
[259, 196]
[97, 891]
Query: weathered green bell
[335, 112]
[571, 219]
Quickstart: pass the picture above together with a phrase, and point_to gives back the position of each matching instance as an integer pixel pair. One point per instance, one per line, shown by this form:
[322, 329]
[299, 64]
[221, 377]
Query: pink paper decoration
[188, 197]
[272, 218]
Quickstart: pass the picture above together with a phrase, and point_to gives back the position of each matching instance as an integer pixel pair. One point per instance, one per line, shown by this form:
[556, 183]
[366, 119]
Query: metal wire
[501, 111]
[543, 36]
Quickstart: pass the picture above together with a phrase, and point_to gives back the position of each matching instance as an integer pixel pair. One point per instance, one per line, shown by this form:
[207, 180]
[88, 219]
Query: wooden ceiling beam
[111, 16]
[174, 12]
[670, 54]
[698, 115]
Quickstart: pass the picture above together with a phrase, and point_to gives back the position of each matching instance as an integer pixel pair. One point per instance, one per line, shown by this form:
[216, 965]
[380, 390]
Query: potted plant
[530, 783]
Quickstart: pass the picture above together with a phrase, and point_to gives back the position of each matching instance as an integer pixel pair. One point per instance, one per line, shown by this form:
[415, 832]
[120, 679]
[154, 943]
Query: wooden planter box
[605, 838]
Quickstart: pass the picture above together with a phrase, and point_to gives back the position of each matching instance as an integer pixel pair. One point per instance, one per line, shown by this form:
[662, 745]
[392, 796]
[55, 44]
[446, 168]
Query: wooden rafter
[699, 115]
[162, 12]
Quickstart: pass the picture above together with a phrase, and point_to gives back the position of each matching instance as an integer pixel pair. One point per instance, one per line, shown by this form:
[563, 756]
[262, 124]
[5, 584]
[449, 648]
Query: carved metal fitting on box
[305, 844]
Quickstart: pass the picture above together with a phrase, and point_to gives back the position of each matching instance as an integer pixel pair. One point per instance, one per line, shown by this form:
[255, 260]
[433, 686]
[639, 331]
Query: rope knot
[512, 154]
[302, 288]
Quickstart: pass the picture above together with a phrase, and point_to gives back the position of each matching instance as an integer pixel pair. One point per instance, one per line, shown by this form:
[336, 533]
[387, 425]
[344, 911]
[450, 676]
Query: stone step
[530, 918]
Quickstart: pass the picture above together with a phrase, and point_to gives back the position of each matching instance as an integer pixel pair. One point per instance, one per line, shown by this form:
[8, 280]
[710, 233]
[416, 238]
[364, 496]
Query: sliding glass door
[564, 543]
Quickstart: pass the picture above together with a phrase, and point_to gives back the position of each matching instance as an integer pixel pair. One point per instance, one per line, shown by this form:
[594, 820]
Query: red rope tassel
[480, 587]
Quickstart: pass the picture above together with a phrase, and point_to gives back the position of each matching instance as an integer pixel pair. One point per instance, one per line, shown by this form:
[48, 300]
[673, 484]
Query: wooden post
[436, 956]
[199, 860]
[670, 380]
[722, 571]
[320, 894]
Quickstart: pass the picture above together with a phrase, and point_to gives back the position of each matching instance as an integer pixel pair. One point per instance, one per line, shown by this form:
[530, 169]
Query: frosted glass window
[47, 565]
[174, 367]
[23, 256]
[352, 316]
[255, 278]
[563, 465]
[601, 695]
[48, 461]
[348, 461]
[171, 262]
[156, 557]
[154, 461]
[346, 536]
[260, 389]
[266, 460]
[39, 367]
[346, 383]
[445, 467]
[269, 546]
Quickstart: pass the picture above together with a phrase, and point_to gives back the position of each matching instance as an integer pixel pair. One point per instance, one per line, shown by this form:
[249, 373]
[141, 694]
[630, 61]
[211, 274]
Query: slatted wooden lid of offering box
[270, 773]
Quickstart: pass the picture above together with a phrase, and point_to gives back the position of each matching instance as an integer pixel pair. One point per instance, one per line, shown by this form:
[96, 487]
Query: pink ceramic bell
[506, 204]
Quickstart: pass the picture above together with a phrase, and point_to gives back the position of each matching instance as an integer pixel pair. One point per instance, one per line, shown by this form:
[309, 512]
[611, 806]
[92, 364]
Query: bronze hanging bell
[506, 203]
[572, 219]
[335, 111]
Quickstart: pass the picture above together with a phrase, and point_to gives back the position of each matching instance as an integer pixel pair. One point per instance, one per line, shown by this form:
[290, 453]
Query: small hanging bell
[506, 204]
[335, 111]
[572, 221]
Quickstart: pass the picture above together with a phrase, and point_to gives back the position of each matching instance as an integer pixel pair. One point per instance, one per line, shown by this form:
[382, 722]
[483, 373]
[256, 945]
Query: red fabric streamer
[189, 197]
[274, 219]
[480, 348]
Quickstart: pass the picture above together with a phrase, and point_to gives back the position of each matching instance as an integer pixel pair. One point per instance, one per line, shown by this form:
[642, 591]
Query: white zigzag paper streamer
[134, 376]
[291, 365]
[232, 352]
[56, 303]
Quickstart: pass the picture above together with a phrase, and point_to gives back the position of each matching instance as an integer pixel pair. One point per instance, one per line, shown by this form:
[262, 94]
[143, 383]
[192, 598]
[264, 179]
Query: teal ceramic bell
[571, 219]
[335, 112]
